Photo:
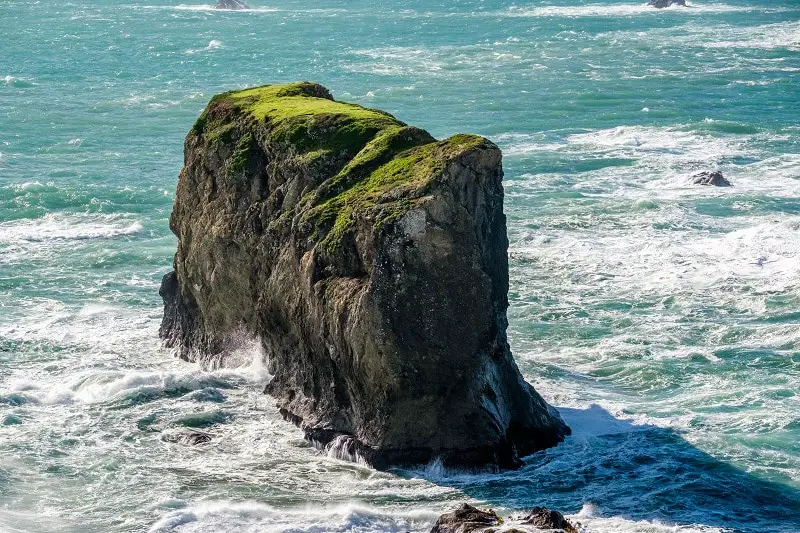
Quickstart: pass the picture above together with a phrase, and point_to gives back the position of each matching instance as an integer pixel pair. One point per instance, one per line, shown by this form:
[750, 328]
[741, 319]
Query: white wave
[633, 141]
[110, 386]
[664, 147]
[621, 10]
[206, 7]
[694, 34]
[340, 449]
[17, 81]
[767, 36]
[32, 186]
[58, 227]
[91, 386]
[247, 360]
[696, 266]
[254, 516]
[21, 385]
[663, 159]
[589, 519]
[212, 45]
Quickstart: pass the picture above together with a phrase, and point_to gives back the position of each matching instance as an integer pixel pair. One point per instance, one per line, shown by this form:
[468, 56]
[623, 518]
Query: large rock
[660, 4]
[371, 262]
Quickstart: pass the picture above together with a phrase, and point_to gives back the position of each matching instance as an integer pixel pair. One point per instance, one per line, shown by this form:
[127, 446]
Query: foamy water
[660, 317]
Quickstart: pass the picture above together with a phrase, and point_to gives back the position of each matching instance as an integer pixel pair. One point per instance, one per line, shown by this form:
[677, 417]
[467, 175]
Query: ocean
[662, 318]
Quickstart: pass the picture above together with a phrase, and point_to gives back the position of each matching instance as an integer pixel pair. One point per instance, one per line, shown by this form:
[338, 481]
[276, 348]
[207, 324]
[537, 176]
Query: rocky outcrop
[660, 4]
[469, 519]
[370, 260]
[714, 179]
[231, 4]
[544, 518]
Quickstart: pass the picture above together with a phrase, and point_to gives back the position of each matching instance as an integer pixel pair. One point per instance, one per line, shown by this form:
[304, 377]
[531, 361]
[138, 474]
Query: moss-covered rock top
[372, 153]
[303, 114]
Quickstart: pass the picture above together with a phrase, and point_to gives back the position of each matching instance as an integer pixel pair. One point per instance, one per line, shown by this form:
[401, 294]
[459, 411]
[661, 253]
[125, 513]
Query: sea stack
[370, 262]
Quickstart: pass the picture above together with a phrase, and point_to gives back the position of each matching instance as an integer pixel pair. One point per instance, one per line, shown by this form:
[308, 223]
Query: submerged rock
[469, 519]
[191, 438]
[660, 4]
[371, 261]
[715, 179]
[231, 4]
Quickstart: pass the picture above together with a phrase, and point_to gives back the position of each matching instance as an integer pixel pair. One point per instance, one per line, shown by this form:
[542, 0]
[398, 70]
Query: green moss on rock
[222, 134]
[303, 115]
[379, 153]
[238, 160]
[382, 194]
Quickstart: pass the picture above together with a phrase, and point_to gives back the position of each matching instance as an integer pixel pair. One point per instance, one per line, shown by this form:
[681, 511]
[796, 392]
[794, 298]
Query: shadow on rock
[635, 472]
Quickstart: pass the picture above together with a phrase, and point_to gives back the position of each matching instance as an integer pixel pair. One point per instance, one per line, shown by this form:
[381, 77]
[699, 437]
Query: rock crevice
[370, 260]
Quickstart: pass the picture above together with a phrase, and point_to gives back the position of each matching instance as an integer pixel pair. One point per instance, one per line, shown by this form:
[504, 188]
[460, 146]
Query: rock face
[231, 4]
[660, 4]
[715, 179]
[469, 519]
[371, 262]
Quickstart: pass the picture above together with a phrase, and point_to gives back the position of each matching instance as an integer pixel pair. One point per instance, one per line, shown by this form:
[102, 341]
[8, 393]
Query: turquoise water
[638, 306]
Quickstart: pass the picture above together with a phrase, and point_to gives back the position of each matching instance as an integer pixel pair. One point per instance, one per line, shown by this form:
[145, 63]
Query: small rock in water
[192, 438]
[544, 518]
[715, 179]
[661, 4]
[231, 4]
[469, 519]
[466, 519]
